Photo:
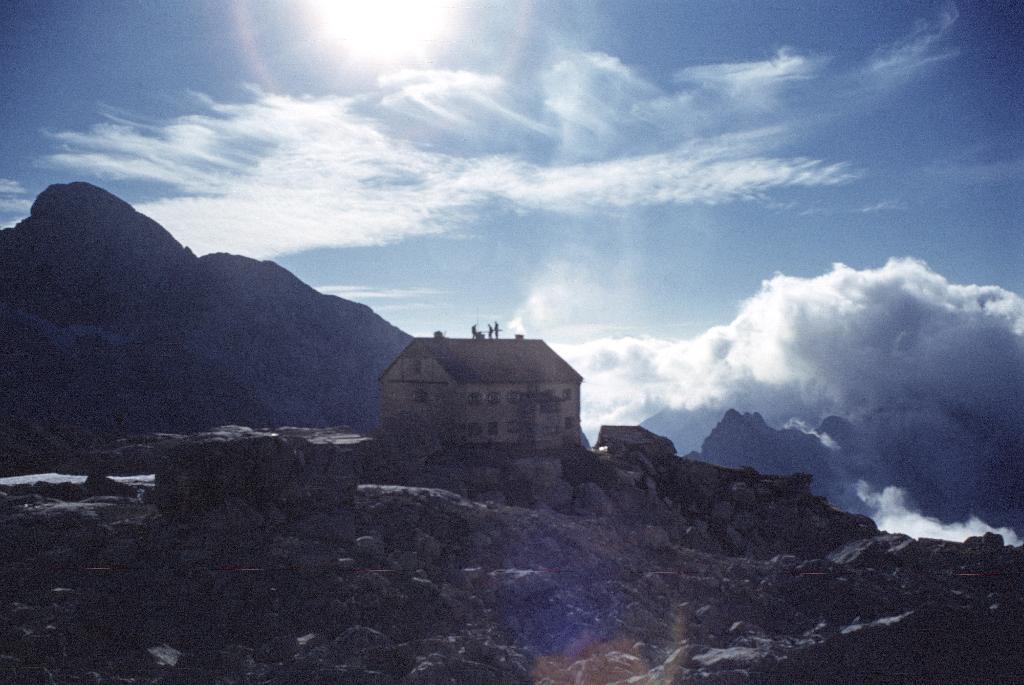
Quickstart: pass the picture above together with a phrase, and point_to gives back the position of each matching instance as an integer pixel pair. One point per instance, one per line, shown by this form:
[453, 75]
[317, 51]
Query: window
[474, 429]
[512, 426]
[569, 423]
[513, 396]
[493, 398]
[492, 428]
[474, 398]
[567, 393]
[419, 396]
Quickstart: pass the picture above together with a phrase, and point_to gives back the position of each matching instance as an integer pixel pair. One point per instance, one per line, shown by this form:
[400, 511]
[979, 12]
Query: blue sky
[580, 170]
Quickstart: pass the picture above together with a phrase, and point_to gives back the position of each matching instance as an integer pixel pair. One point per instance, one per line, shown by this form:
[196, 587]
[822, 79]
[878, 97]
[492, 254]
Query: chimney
[438, 335]
[519, 336]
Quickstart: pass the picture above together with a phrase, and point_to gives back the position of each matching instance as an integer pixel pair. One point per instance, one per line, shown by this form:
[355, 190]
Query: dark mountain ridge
[112, 325]
[950, 470]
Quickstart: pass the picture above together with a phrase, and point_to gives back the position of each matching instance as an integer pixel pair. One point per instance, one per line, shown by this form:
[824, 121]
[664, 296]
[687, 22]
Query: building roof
[495, 361]
[626, 435]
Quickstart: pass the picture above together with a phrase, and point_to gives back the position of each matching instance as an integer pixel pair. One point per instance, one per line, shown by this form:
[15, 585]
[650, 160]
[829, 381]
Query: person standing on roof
[497, 330]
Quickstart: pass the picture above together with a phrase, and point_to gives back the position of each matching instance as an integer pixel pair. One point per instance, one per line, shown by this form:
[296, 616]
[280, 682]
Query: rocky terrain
[312, 556]
[110, 326]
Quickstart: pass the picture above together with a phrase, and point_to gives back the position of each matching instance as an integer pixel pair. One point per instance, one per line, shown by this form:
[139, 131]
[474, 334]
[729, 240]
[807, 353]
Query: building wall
[541, 414]
[418, 387]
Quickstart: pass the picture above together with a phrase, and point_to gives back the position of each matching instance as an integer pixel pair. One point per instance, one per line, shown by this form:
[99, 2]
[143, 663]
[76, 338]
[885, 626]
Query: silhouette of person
[497, 330]
[476, 335]
[490, 331]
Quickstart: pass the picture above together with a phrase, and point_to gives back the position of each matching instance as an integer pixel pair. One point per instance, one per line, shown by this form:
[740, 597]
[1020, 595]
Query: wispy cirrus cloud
[362, 292]
[444, 97]
[883, 206]
[279, 174]
[754, 84]
[922, 47]
[427, 149]
[595, 101]
[10, 187]
[13, 203]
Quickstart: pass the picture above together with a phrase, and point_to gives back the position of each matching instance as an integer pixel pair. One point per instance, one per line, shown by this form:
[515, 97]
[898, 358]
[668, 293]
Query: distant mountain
[109, 324]
[952, 467]
[746, 440]
[837, 453]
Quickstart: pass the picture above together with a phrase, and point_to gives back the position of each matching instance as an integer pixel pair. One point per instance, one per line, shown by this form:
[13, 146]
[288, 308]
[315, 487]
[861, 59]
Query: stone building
[480, 391]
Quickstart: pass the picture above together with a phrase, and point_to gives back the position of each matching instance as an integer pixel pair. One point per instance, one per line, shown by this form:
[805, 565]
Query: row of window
[512, 397]
[477, 429]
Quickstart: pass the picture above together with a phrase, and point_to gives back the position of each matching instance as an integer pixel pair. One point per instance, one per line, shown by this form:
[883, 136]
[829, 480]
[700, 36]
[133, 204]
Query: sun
[384, 30]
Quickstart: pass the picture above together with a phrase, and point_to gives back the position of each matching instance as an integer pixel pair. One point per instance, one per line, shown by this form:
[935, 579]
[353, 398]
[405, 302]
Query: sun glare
[384, 30]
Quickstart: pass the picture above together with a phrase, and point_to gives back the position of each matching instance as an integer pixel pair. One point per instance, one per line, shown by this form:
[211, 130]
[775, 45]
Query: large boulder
[537, 481]
[590, 500]
[291, 474]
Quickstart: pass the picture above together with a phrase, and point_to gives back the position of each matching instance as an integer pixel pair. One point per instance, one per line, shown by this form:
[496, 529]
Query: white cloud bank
[845, 342]
[930, 373]
[892, 513]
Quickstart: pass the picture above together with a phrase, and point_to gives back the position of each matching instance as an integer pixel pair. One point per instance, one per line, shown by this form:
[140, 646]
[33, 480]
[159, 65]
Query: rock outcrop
[271, 473]
[637, 478]
[246, 567]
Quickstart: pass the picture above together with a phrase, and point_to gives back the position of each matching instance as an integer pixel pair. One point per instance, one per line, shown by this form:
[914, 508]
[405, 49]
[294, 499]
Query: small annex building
[626, 440]
[483, 391]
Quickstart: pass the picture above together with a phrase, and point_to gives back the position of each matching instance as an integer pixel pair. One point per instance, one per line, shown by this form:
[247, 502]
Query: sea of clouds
[929, 373]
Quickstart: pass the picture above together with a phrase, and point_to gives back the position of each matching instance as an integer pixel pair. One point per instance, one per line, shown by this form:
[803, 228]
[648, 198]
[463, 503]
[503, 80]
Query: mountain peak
[84, 256]
[76, 199]
[90, 218]
[752, 421]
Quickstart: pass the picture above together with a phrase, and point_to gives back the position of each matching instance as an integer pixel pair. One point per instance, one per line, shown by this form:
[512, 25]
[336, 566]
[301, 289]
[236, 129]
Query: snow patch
[57, 478]
[438, 493]
[515, 572]
[42, 478]
[719, 654]
[164, 655]
[884, 621]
